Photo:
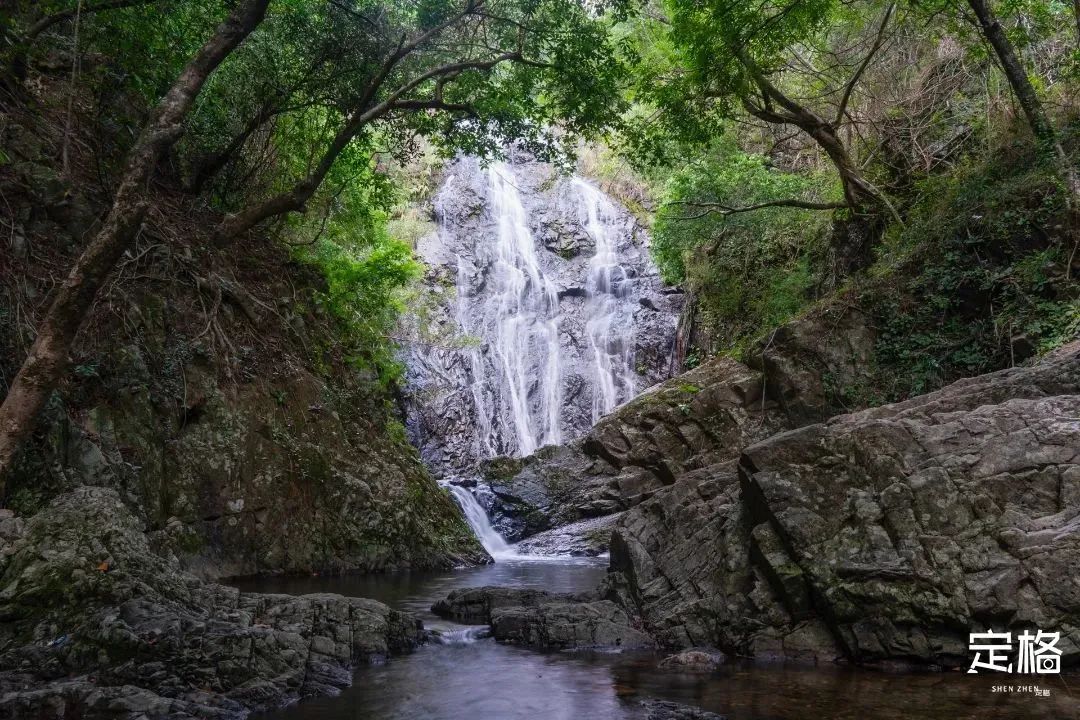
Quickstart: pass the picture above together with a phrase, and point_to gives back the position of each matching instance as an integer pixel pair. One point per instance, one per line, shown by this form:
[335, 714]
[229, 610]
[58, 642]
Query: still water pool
[471, 678]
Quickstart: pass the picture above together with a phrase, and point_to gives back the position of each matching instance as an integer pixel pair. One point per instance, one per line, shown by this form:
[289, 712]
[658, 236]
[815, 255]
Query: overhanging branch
[725, 210]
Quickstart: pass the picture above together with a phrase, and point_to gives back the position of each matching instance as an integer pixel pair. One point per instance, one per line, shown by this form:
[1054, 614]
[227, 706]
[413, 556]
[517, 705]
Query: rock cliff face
[743, 519]
[270, 473]
[99, 622]
[698, 419]
[547, 314]
[884, 535]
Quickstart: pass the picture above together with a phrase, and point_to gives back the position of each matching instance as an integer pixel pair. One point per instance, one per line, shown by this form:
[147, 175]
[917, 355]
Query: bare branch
[879, 40]
[725, 210]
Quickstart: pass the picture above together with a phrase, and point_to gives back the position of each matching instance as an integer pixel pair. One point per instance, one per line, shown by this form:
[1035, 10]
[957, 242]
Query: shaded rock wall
[881, 536]
[270, 473]
[210, 390]
[97, 622]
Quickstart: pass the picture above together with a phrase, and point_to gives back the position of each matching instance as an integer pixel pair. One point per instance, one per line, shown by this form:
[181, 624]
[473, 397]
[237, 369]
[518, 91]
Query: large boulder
[560, 626]
[284, 472]
[906, 528]
[96, 622]
[881, 536]
[819, 364]
[689, 422]
[667, 710]
[476, 605]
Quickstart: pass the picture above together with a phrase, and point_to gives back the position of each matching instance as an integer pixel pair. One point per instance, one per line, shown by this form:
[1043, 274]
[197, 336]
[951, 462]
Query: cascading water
[557, 317]
[609, 319]
[476, 366]
[523, 310]
[478, 520]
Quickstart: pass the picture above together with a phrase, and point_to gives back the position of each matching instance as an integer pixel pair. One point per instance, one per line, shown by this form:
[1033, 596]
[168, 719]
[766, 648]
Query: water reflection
[473, 678]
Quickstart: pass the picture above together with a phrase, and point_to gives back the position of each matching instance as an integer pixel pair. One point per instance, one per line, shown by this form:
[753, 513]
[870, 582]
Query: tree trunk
[48, 359]
[858, 193]
[1076, 16]
[1031, 105]
[1014, 72]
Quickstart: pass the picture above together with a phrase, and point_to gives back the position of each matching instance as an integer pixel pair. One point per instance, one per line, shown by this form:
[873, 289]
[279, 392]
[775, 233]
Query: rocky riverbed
[875, 538]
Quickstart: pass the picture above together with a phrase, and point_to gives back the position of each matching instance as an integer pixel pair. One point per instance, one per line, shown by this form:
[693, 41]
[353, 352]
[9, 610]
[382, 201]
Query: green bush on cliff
[978, 279]
[366, 269]
[747, 271]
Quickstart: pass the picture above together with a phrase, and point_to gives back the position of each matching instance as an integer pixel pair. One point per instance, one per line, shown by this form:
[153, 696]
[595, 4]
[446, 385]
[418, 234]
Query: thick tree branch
[725, 210]
[295, 199]
[858, 192]
[49, 356]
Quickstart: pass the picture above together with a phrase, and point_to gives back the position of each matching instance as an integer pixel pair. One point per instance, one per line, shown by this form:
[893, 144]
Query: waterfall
[523, 312]
[478, 520]
[484, 430]
[543, 313]
[609, 322]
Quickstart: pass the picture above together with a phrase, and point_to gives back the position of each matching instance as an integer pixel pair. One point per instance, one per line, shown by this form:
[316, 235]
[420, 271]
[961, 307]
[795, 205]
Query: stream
[471, 677]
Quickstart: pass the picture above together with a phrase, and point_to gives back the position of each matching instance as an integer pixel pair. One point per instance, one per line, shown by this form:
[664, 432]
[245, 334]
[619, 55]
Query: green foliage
[364, 282]
[693, 73]
[977, 280]
[280, 109]
[749, 271]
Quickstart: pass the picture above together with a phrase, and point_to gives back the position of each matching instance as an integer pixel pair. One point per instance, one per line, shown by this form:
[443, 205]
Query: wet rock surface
[97, 623]
[667, 710]
[545, 620]
[696, 661]
[585, 538]
[905, 526]
[476, 605]
[560, 626]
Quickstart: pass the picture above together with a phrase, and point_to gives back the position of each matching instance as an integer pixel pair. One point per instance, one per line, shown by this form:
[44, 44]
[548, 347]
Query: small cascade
[609, 318]
[465, 636]
[478, 520]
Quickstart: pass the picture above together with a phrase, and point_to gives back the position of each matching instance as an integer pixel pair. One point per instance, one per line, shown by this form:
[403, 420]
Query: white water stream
[524, 307]
[609, 320]
[510, 308]
[478, 520]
